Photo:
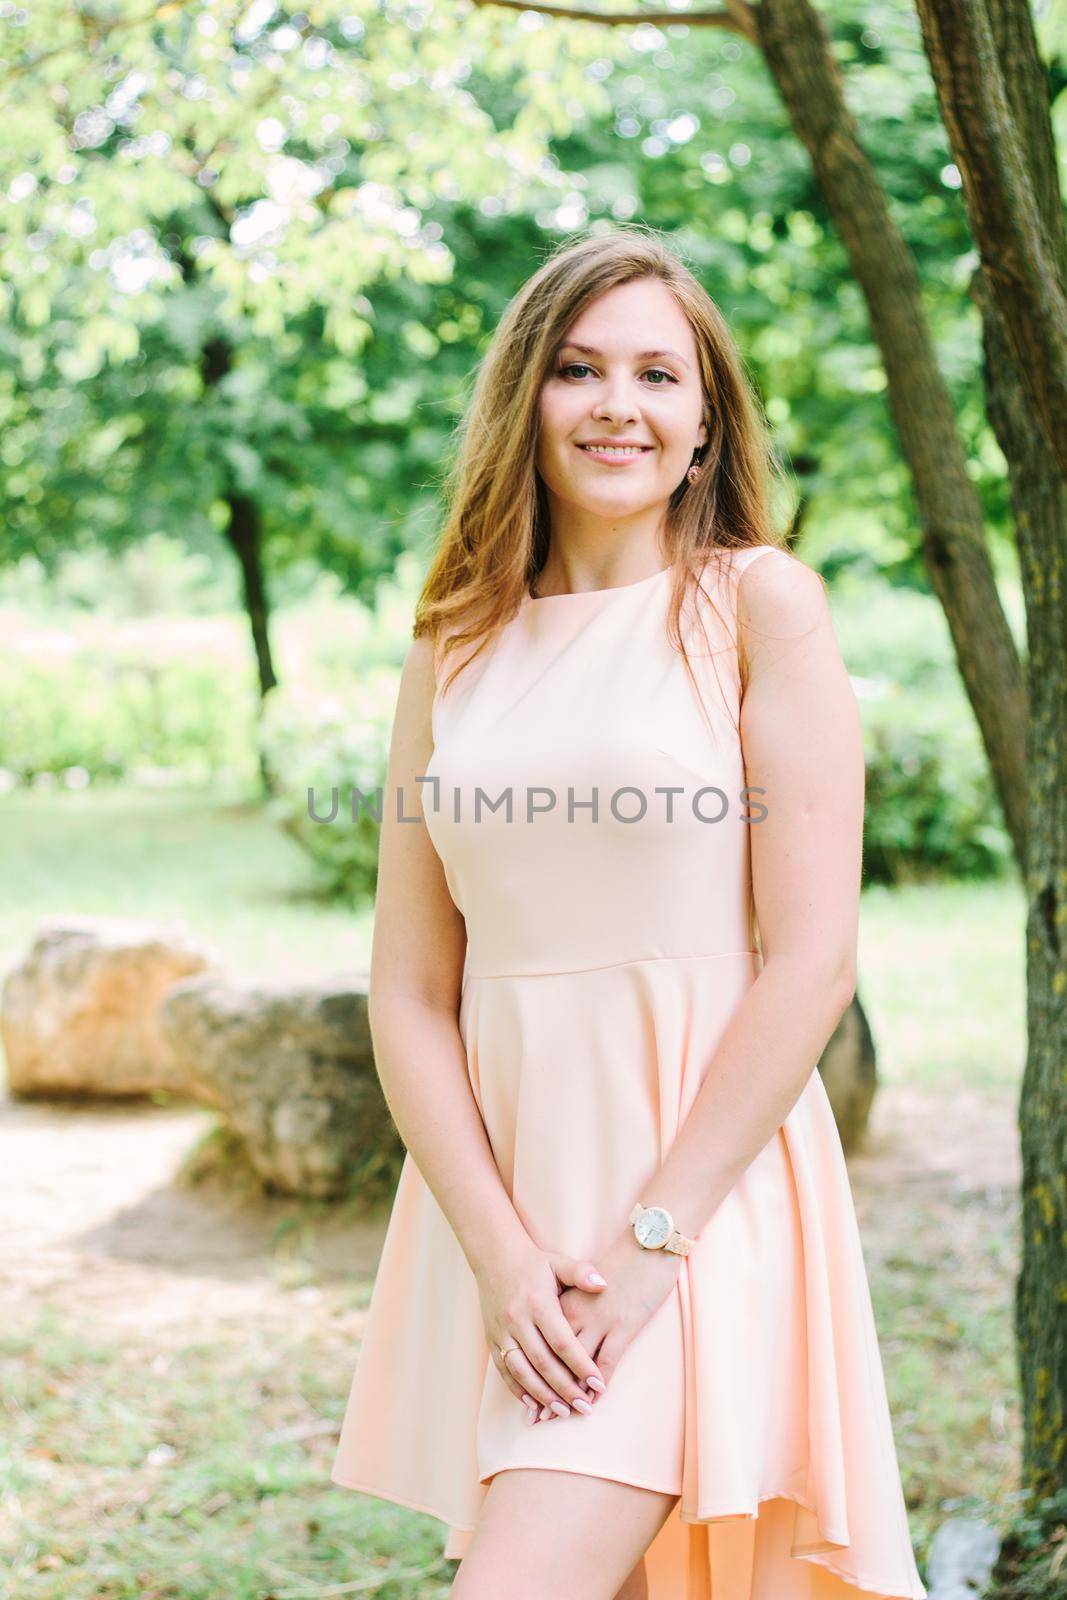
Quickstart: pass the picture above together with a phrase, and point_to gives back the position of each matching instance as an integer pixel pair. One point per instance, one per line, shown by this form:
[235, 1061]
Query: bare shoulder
[417, 686]
[420, 663]
[782, 609]
[779, 587]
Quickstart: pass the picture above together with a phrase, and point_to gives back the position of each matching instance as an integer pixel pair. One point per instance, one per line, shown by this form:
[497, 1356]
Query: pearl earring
[694, 472]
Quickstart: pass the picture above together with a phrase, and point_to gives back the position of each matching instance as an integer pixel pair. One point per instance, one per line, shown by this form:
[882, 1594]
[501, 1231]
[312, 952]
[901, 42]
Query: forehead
[632, 319]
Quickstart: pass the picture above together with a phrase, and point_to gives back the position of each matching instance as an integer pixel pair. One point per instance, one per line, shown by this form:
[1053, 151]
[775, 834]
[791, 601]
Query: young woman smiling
[621, 1339]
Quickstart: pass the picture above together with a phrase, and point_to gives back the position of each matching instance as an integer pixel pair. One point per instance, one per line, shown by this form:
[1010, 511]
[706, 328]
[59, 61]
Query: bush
[931, 807]
[113, 719]
[331, 744]
[157, 575]
[932, 810]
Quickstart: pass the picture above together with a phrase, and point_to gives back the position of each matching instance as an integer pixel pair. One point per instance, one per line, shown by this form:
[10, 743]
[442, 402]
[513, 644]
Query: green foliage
[235, 262]
[1031, 1563]
[321, 749]
[931, 808]
[95, 687]
[94, 717]
[158, 576]
[199, 212]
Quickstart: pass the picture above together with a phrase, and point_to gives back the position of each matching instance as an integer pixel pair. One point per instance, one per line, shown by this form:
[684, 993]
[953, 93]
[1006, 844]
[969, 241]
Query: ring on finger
[503, 1351]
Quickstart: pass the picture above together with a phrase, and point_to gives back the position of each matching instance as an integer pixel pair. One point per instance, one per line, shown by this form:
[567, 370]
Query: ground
[92, 1224]
[100, 1238]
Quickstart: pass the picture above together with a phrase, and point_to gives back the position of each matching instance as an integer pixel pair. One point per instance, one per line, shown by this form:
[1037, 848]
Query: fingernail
[531, 1416]
[546, 1413]
[583, 1406]
[596, 1383]
[559, 1408]
[594, 1277]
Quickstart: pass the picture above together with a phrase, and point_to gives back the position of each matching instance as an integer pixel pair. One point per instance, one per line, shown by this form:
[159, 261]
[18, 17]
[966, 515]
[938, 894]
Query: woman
[621, 1338]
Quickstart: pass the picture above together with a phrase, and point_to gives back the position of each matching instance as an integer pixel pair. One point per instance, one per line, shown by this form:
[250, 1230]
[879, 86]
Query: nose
[617, 404]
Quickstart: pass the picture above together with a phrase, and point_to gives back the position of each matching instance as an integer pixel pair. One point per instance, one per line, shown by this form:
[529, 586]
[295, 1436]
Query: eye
[581, 366]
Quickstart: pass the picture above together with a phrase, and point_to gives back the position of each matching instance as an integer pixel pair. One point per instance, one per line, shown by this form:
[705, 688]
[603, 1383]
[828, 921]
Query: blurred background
[249, 258]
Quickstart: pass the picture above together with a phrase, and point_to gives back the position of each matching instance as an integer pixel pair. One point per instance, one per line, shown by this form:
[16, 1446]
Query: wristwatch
[654, 1230]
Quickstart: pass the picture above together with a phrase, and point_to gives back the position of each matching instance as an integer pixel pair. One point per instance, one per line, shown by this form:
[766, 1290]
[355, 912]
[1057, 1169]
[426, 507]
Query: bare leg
[636, 1585]
[553, 1535]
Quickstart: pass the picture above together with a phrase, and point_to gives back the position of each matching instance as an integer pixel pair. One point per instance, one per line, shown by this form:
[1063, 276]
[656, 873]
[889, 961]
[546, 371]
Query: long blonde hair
[496, 531]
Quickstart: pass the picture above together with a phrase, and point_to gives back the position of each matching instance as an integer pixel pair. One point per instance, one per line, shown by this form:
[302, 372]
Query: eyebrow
[645, 355]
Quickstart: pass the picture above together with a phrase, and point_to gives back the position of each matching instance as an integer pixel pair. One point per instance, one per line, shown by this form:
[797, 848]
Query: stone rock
[961, 1557]
[291, 1069]
[78, 1015]
[848, 1073]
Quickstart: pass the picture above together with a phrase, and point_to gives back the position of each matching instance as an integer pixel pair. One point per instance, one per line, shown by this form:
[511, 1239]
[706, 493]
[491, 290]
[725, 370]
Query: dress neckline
[580, 595]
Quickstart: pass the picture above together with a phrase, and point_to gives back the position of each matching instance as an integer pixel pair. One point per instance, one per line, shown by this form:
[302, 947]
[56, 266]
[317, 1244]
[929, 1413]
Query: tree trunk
[245, 536]
[793, 39]
[1017, 406]
[979, 56]
[1039, 498]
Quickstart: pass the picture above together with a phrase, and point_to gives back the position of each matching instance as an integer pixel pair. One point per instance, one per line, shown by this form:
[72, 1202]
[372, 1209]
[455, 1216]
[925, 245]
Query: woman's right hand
[520, 1304]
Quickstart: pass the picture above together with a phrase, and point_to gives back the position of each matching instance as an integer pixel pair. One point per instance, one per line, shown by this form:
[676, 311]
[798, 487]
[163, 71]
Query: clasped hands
[552, 1306]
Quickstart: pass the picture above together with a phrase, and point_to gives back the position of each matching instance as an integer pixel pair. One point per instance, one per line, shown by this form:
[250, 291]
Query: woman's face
[627, 372]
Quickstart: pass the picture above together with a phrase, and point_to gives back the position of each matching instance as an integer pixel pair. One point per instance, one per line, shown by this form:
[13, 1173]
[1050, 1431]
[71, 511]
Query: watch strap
[676, 1243]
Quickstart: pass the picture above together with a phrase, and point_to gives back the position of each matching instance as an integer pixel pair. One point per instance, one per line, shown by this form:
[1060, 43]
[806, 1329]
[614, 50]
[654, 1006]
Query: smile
[614, 452]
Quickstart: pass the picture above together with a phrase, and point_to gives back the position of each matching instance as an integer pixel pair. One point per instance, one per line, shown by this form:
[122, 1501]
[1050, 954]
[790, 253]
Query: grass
[194, 1472]
[942, 978]
[941, 1276]
[243, 886]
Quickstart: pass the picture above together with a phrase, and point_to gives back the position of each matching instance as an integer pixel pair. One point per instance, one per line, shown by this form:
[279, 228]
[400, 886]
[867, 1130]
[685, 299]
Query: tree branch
[736, 15]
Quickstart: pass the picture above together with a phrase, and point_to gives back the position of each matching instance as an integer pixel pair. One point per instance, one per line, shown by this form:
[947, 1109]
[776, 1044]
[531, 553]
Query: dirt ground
[92, 1222]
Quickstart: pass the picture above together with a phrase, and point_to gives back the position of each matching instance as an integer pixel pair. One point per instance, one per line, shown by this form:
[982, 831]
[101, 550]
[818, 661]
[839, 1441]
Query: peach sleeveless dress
[605, 957]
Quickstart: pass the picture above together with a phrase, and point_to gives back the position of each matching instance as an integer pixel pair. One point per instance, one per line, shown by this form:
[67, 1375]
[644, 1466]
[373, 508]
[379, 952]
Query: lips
[619, 452]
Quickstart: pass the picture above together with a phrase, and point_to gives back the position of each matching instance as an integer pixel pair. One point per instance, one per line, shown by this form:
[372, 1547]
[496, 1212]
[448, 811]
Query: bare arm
[802, 743]
[417, 954]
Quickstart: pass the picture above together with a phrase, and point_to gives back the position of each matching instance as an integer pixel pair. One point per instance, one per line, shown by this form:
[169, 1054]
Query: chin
[612, 505]
[625, 499]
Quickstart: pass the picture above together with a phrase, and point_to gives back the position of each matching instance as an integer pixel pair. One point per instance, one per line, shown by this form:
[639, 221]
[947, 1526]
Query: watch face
[653, 1227]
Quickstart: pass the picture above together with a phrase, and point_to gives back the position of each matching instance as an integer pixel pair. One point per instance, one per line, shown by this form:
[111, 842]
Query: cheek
[559, 419]
[673, 425]
[558, 403]
[548, 420]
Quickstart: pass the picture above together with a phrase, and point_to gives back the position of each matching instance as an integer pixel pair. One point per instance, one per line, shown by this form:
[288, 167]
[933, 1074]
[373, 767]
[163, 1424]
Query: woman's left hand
[638, 1283]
